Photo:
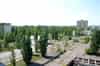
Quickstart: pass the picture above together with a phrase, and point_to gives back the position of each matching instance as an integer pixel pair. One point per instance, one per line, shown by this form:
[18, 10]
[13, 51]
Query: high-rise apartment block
[82, 24]
[5, 27]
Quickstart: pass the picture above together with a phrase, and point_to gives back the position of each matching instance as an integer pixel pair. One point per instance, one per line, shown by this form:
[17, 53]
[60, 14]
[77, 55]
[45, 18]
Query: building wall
[5, 27]
[1, 28]
[82, 24]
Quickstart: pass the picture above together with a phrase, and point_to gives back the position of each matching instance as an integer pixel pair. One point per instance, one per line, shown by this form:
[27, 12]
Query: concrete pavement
[76, 49]
[5, 57]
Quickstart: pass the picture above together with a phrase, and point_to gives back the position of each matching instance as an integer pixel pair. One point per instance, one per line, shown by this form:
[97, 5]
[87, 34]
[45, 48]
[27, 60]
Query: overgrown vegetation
[43, 43]
[20, 38]
[17, 32]
[26, 50]
[87, 39]
[95, 44]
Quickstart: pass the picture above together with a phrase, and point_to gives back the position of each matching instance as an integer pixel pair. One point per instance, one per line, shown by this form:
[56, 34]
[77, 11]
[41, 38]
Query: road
[76, 49]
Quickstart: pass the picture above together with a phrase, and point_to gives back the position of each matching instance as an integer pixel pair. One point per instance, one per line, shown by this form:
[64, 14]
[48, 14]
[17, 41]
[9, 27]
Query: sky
[49, 12]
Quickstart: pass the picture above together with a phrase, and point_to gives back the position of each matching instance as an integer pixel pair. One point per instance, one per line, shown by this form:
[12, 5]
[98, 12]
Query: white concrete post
[33, 44]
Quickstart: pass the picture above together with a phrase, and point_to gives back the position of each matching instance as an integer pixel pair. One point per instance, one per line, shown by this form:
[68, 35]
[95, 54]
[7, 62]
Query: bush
[87, 39]
[95, 42]
[43, 43]
[70, 38]
[89, 51]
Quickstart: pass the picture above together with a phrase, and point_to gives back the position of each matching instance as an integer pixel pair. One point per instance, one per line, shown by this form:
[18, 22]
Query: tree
[18, 40]
[1, 35]
[26, 50]
[1, 45]
[36, 35]
[36, 41]
[43, 44]
[95, 43]
[8, 38]
[55, 35]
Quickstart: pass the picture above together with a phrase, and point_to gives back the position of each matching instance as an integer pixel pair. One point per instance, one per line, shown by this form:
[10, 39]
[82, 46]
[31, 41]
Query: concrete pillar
[88, 61]
[95, 63]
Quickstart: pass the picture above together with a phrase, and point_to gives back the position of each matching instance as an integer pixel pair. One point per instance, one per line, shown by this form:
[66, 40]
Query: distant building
[5, 27]
[97, 27]
[82, 24]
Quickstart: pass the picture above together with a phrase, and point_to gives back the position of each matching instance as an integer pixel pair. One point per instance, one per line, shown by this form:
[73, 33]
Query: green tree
[95, 45]
[18, 40]
[8, 38]
[36, 35]
[1, 45]
[1, 35]
[43, 43]
[55, 35]
[26, 50]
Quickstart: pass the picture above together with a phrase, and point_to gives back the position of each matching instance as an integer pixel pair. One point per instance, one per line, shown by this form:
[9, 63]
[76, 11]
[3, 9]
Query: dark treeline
[67, 30]
[19, 31]
[37, 30]
[19, 37]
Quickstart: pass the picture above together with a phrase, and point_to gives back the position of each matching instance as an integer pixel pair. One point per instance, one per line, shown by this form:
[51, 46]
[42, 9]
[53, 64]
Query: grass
[4, 49]
[22, 63]
[36, 57]
[19, 63]
[64, 65]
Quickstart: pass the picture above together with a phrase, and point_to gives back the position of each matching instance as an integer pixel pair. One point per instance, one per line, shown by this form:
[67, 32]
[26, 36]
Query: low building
[86, 32]
[5, 28]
